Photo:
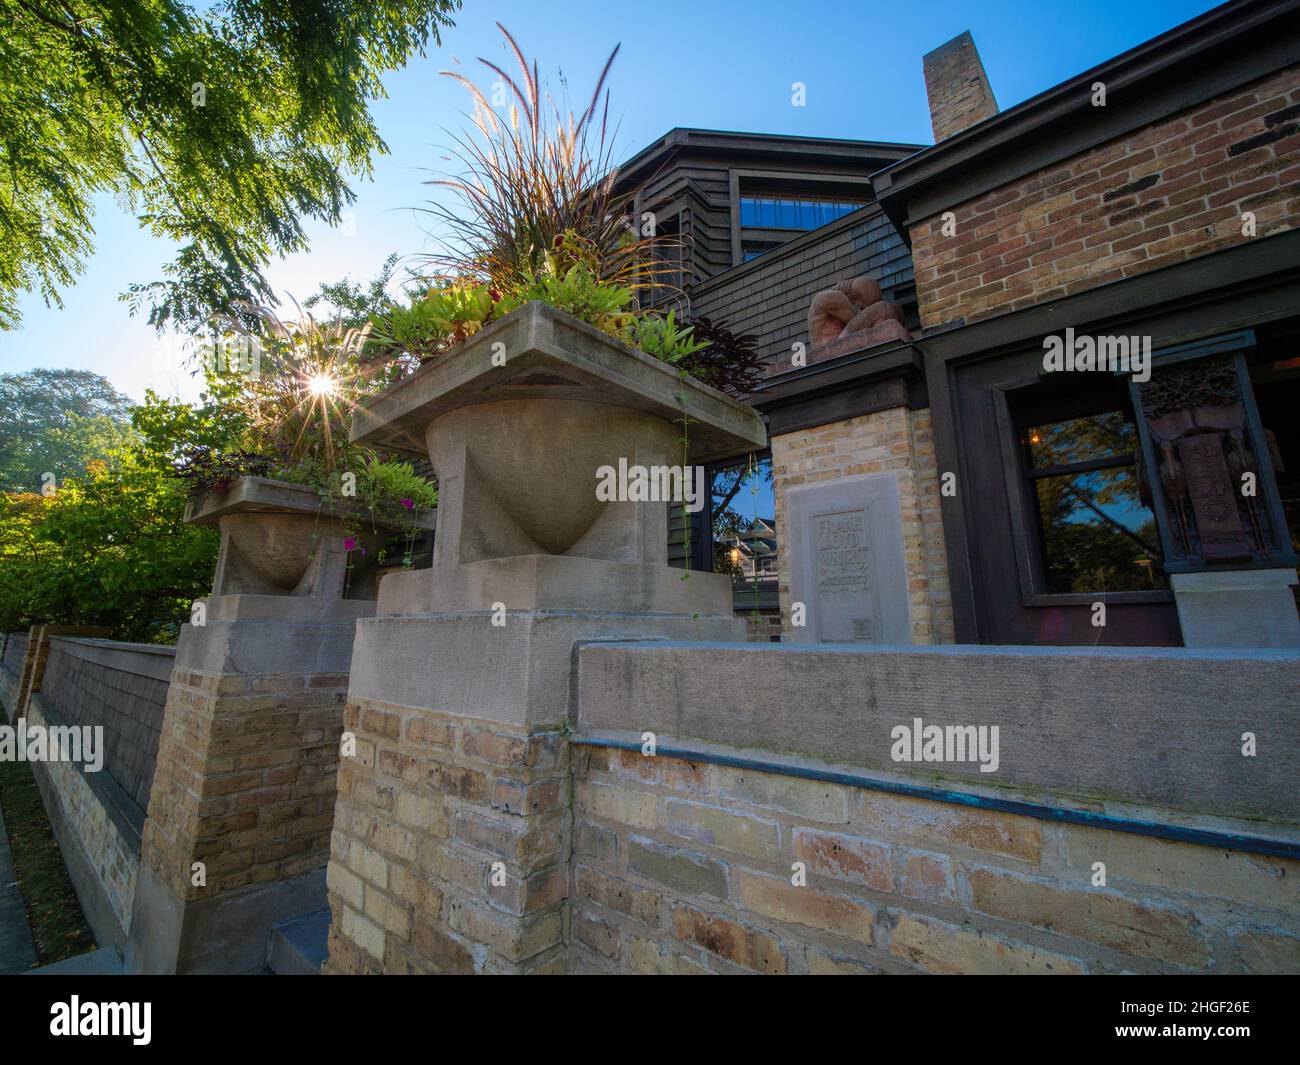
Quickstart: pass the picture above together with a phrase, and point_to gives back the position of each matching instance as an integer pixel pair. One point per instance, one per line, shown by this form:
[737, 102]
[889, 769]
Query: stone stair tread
[299, 945]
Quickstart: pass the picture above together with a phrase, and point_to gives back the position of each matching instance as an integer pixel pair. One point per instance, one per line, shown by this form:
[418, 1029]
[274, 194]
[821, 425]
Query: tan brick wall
[684, 867]
[103, 845]
[1172, 191]
[245, 779]
[450, 847]
[957, 87]
[900, 440]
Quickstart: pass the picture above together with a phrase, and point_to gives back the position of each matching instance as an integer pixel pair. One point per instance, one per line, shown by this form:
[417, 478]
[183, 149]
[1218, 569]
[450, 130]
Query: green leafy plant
[109, 546]
[308, 376]
[288, 417]
[382, 481]
[579, 292]
[664, 338]
[206, 469]
[432, 321]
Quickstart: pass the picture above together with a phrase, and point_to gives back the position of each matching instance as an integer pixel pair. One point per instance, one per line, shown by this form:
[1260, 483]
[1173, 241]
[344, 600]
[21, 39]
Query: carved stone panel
[1213, 507]
[846, 561]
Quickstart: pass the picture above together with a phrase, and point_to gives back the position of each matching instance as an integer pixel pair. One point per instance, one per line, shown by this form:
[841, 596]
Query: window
[767, 221]
[765, 212]
[742, 519]
[1096, 530]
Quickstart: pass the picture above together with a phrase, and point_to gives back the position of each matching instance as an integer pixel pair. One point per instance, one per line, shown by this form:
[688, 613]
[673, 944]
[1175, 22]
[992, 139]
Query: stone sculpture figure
[854, 308]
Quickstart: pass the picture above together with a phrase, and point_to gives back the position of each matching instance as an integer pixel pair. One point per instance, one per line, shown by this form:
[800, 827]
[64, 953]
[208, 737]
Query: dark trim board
[756, 147]
[844, 387]
[967, 367]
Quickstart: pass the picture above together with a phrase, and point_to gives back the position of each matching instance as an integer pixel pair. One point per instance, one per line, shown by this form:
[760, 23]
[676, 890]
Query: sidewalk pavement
[17, 950]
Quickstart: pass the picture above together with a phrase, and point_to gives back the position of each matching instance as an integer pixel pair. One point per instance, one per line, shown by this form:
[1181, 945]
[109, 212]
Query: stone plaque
[846, 561]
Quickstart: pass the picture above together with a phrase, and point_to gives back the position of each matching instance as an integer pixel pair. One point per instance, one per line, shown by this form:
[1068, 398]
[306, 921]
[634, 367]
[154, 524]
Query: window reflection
[768, 212]
[744, 521]
[1081, 439]
[1097, 536]
[1097, 532]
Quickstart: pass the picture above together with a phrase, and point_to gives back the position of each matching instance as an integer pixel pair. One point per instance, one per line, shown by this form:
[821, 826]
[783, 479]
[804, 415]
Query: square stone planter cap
[268, 496]
[550, 354]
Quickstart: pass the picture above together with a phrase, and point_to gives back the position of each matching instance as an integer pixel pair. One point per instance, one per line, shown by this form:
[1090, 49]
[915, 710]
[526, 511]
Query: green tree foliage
[54, 421]
[354, 303]
[109, 547]
[224, 127]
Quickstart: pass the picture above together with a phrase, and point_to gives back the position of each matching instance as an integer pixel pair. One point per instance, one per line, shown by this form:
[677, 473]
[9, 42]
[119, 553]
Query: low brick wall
[15, 646]
[99, 840]
[772, 832]
[11, 669]
[763, 625]
[98, 817]
[246, 779]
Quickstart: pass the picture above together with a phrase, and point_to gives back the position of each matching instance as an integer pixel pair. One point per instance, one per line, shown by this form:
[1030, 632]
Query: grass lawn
[55, 916]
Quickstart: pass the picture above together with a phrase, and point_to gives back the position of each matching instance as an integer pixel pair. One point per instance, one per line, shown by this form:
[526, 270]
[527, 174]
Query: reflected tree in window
[1097, 534]
[743, 521]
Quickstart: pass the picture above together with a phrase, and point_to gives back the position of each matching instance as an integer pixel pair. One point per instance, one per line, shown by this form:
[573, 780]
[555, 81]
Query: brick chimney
[957, 86]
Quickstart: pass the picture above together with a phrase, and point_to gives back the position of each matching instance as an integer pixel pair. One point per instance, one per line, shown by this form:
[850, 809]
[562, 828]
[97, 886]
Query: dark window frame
[1020, 477]
[788, 184]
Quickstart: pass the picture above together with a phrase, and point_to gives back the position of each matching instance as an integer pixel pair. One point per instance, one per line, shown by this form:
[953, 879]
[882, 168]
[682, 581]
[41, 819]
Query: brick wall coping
[1107, 727]
[141, 659]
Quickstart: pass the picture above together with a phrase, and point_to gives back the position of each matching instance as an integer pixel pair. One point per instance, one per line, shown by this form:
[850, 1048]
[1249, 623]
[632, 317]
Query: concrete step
[299, 945]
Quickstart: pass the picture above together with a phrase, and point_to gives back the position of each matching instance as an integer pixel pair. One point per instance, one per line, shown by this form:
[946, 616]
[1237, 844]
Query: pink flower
[409, 504]
[350, 544]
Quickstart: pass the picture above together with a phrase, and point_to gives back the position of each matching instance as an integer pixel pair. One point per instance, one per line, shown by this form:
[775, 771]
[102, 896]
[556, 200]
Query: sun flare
[322, 385]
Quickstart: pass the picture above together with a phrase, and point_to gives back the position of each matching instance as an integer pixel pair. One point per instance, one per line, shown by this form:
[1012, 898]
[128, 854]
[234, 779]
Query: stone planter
[463, 679]
[278, 538]
[518, 448]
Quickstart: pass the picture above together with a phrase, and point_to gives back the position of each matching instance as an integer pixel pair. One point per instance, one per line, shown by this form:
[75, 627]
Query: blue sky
[699, 63]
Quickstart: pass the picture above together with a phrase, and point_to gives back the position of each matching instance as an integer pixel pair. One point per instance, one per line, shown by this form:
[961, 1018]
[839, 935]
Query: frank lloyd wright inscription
[846, 561]
[841, 553]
